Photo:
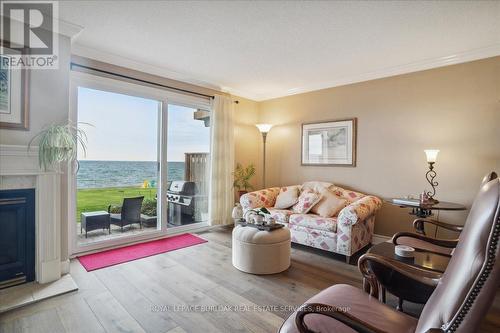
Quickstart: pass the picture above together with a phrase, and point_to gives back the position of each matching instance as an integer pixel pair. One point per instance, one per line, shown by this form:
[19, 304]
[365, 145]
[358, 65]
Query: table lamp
[431, 155]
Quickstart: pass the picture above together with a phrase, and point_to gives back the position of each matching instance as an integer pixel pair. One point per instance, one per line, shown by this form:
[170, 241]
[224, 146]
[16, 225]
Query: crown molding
[69, 29]
[64, 28]
[87, 52]
[457, 58]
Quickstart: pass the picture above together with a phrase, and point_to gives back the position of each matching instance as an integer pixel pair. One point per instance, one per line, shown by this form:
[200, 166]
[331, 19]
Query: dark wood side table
[423, 211]
[399, 285]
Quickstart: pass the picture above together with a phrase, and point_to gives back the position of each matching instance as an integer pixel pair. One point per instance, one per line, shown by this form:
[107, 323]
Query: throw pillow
[287, 197]
[329, 205]
[316, 186]
[307, 200]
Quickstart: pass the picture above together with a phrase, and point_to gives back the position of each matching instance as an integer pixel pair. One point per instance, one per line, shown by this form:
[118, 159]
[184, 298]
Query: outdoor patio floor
[116, 232]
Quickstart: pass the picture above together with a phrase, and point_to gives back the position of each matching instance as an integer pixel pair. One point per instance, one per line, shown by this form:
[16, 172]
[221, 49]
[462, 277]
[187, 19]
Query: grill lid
[183, 187]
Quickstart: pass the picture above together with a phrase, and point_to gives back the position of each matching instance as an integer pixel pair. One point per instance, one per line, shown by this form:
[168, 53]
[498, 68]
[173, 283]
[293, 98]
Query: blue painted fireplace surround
[17, 236]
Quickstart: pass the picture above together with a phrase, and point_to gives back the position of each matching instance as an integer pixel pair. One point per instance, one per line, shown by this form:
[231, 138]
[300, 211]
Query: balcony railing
[196, 170]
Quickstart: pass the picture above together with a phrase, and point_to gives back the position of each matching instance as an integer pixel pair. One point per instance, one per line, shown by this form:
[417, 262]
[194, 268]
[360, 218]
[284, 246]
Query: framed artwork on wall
[14, 83]
[331, 143]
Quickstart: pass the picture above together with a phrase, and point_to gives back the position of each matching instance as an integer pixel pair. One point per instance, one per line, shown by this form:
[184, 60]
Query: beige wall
[455, 109]
[247, 137]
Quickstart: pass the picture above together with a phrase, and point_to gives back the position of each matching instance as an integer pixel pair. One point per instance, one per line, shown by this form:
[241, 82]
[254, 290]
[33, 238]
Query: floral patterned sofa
[346, 233]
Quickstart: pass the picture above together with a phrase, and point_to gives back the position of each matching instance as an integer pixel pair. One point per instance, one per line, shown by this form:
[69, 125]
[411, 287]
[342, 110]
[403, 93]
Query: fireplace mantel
[19, 169]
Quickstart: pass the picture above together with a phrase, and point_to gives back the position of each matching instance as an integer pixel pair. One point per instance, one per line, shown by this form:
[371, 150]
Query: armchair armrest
[261, 198]
[359, 210]
[419, 225]
[449, 243]
[424, 276]
[333, 312]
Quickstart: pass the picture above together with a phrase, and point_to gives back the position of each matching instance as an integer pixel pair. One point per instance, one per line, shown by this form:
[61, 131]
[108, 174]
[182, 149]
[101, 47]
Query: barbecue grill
[183, 202]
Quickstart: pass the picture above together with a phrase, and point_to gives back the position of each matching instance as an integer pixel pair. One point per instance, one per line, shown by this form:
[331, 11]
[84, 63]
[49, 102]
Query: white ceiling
[263, 50]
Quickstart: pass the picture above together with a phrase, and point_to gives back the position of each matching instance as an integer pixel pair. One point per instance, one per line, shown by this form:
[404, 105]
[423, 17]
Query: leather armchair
[422, 241]
[461, 299]
[438, 245]
[419, 225]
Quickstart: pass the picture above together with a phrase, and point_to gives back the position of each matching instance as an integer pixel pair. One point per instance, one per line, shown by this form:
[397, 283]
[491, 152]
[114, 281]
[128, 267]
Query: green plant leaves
[242, 177]
[58, 143]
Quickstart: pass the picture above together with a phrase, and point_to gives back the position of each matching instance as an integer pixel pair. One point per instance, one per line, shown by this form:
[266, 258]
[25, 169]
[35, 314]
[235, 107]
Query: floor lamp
[264, 129]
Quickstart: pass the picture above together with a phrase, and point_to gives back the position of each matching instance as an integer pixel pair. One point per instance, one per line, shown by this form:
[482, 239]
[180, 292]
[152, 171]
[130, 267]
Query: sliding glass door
[144, 170]
[188, 148]
[118, 174]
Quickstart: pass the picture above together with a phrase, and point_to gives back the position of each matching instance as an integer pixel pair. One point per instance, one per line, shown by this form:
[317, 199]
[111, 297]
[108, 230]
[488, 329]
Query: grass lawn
[89, 200]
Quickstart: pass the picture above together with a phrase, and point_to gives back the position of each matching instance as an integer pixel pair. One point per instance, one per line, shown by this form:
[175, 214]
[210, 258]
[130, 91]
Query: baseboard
[377, 239]
[65, 267]
[49, 271]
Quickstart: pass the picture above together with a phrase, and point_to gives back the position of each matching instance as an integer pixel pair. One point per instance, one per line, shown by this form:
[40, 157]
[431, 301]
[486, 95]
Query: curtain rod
[140, 80]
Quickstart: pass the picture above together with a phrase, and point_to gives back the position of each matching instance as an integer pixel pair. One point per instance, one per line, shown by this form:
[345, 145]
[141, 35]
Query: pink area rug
[132, 252]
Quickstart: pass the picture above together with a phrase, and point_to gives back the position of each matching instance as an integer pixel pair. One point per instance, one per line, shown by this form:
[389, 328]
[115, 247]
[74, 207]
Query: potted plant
[242, 178]
[148, 210]
[58, 143]
[262, 211]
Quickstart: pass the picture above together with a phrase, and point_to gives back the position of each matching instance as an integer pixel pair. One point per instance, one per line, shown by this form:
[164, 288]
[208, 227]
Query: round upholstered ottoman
[261, 252]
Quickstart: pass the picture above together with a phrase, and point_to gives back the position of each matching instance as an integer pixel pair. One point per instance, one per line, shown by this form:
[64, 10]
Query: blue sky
[125, 128]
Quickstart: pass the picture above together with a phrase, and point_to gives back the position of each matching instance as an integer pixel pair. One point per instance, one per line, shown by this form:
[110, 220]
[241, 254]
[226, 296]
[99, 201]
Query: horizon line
[89, 160]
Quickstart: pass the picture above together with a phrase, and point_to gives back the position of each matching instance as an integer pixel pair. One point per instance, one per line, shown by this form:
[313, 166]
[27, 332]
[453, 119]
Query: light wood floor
[185, 290]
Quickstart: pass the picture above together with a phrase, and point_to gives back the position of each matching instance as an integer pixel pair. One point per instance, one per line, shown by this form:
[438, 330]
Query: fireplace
[17, 237]
[19, 170]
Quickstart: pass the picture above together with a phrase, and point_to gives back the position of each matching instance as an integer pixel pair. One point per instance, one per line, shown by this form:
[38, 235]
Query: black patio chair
[131, 213]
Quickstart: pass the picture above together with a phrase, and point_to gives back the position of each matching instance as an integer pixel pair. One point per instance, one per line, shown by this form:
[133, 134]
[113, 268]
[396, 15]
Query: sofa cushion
[329, 205]
[349, 195]
[316, 186]
[287, 197]
[314, 222]
[280, 215]
[257, 199]
[307, 199]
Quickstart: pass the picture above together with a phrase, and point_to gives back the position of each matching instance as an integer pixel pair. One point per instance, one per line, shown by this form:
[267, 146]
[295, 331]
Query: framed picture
[331, 143]
[14, 96]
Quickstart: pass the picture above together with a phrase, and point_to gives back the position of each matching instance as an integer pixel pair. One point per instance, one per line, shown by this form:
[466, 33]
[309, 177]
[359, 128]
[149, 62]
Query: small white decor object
[258, 219]
[237, 213]
[270, 220]
[248, 216]
[404, 251]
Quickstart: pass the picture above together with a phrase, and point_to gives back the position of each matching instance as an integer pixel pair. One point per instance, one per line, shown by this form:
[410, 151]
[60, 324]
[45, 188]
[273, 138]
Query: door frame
[164, 97]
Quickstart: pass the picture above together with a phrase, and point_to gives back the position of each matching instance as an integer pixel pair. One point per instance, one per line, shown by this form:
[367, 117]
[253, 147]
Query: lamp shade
[431, 155]
[264, 128]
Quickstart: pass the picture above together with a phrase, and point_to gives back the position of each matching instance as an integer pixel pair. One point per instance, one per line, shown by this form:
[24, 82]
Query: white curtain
[221, 161]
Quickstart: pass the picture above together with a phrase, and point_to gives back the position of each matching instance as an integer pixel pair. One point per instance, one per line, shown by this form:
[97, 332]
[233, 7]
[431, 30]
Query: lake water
[97, 174]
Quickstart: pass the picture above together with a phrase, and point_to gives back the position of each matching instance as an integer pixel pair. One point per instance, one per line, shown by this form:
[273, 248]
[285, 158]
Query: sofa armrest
[261, 198]
[359, 210]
